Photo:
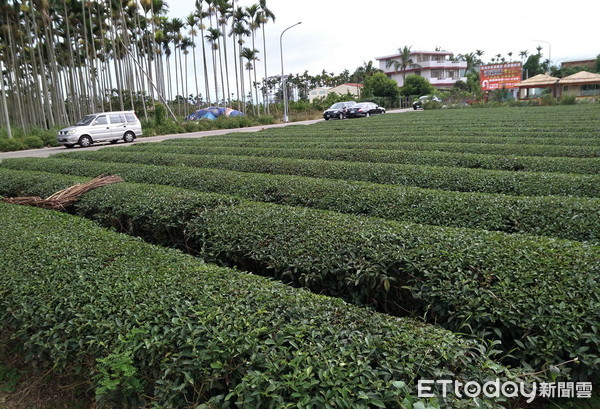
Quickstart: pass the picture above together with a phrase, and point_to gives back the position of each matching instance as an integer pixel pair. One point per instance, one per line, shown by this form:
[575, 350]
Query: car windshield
[337, 106]
[86, 120]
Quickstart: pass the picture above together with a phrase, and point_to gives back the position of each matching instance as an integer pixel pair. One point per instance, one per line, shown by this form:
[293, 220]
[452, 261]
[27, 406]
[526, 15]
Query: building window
[439, 74]
[590, 89]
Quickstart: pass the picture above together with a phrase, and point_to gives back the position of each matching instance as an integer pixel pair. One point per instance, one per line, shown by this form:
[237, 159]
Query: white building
[314, 93]
[437, 66]
[347, 88]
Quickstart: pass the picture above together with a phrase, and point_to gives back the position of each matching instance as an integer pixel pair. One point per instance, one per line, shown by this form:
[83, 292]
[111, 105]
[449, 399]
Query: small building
[589, 63]
[439, 67]
[582, 84]
[315, 93]
[353, 89]
[537, 86]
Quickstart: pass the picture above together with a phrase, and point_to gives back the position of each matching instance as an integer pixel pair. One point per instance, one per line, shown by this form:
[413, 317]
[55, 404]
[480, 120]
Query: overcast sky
[337, 35]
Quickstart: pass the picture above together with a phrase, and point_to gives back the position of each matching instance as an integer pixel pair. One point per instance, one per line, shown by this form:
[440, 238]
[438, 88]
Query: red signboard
[498, 76]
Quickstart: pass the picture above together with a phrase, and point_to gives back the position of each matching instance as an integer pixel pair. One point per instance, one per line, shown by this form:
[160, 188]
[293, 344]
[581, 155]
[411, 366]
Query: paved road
[45, 152]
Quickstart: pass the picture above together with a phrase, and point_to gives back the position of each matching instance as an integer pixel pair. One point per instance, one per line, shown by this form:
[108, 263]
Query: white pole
[283, 85]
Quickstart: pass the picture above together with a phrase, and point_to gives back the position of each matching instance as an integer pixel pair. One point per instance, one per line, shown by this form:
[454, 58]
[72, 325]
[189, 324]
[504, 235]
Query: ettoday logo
[496, 389]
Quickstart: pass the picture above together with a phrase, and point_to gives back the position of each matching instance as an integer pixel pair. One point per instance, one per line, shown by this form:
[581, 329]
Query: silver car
[102, 127]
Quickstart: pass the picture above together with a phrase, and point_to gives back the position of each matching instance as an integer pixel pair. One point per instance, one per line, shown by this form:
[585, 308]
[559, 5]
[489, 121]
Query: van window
[101, 120]
[86, 120]
[117, 118]
[130, 118]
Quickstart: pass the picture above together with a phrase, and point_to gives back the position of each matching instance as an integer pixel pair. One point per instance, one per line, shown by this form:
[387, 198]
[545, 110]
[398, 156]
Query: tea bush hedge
[577, 151]
[340, 132]
[151, 327]
[431, 177]
[463, 160]
[568, 124]
[563, 217]
[534, 294]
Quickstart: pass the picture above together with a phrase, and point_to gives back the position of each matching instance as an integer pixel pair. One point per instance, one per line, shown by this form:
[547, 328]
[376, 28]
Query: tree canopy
[379, 85]
[416, 85]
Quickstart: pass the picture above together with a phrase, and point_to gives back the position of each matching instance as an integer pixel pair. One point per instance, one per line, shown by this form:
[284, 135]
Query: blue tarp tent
[208, 115]
[213, 113]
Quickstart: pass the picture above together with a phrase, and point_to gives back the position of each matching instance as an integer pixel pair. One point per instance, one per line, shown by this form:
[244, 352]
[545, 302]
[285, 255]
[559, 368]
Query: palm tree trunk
[226, 65]
[195, 71]
[266, 107]
[4, 103]
[43, 75]
[206, 81]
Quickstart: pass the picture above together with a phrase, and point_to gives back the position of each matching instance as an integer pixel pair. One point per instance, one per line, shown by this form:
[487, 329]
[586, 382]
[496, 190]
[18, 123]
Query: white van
[102, 127]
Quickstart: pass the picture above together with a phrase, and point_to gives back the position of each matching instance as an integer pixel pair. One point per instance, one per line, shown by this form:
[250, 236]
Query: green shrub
[48, 136]
[548, 100]
[153, 327]
[160, 114]
[197, 126]
[452, 159]
[589, 150]
[223, 122]
[265, 120]
[32, 142]
[561, 217]
[568, 100]
[463, 279]
[431, 177]
[12, 144]
[168, 128]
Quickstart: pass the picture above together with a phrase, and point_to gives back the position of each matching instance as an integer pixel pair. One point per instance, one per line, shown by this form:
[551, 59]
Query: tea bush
[466, 280]
[563, 217]
[147, 326]
[576, 151]
[462, 160]
[431, 177]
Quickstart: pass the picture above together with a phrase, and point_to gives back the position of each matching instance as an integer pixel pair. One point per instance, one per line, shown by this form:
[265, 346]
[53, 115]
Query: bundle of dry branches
[65, 197]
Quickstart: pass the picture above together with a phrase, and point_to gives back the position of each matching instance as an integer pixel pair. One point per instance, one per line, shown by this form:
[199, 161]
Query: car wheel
[85, 141]
[69, 145]
[341, 116]
[327, 118]
[128, 137]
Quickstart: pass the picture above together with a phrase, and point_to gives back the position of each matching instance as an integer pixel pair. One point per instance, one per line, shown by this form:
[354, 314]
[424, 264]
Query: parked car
[365, 109]
[419, 102]
[101, 127]
[338, 110]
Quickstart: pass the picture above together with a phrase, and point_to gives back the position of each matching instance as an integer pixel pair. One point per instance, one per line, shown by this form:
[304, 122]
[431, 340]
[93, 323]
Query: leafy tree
[416, 85]
[534, 65]
[473, 83]
[597, 64]
[379, 85]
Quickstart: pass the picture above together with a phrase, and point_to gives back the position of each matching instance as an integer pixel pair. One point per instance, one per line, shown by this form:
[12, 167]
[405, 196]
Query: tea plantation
[451, 244]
